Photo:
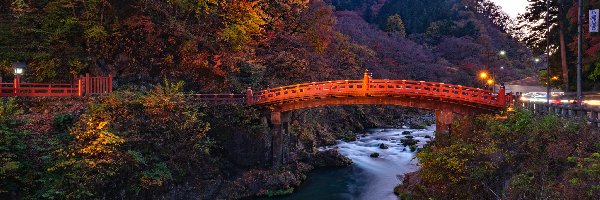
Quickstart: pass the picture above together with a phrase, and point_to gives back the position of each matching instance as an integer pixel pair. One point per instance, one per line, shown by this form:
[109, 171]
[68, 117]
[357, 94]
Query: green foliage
[532, 153]
[413, 148]
[395, 25]
[12, 150]
[280, 192]
[132, 145]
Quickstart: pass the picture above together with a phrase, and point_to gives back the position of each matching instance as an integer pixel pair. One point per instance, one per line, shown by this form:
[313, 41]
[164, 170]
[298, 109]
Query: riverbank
[367, 177]
[522, 157]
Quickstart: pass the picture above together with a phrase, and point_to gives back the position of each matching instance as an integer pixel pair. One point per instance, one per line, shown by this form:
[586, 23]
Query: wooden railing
[377, 87]
[85, 85]
[219, 98]
[590, 114]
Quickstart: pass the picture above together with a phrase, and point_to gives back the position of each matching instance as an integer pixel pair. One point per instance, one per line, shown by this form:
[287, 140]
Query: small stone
[374, 155]
[383, 146]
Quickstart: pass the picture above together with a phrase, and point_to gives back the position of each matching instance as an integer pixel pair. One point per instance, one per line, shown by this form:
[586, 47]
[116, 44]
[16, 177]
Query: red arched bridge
[447, 100]
[408, 93]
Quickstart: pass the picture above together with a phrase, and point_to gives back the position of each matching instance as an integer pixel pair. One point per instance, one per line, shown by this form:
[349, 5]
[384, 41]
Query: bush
[413, 148]
[532, 153]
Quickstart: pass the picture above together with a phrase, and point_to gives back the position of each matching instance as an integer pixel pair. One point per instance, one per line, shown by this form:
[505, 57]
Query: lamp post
[18, 70]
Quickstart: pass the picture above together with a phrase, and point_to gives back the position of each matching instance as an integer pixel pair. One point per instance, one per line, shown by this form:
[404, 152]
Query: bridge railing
[377, 87]
[38, 89]
[219, 98]
[85, 85]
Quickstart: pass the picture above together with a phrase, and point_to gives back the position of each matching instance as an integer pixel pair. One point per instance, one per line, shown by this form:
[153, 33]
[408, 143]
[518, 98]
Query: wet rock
[383, 146]
[408, 142]
[374, 155]
[329, 158]
[406, 132]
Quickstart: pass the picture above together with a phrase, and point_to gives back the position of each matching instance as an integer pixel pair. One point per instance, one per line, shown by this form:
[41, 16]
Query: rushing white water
[382, 173]
[368, 178]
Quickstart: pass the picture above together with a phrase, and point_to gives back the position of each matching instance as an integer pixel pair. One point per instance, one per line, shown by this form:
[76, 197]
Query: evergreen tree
[395, 25]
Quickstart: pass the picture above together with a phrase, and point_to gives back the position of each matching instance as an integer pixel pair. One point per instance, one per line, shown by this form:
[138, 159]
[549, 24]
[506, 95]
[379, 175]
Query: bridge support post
[443, 122]
[280, 128]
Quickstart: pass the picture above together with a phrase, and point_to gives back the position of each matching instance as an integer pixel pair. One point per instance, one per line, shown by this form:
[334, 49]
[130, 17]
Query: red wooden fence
[85, 85]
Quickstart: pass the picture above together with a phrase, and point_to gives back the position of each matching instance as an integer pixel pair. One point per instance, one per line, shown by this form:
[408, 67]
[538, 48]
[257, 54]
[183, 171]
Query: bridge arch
[447, 100]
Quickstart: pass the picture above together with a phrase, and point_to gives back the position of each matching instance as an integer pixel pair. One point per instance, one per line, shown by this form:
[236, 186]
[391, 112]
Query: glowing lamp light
[490, 82]
[537, 60]
[18, 71]
[554, 78]
[502, 53]
[18, 68]
[483, 75]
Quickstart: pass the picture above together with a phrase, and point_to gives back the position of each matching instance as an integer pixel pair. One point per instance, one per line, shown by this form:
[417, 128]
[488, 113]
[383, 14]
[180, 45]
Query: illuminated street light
[18, 68]
[555, 78]
[502, 53]
[483, 75]
[537, 60]
[490, 82]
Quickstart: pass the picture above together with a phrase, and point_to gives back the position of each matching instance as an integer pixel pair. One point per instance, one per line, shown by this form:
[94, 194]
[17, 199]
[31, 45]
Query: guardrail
[590, 114]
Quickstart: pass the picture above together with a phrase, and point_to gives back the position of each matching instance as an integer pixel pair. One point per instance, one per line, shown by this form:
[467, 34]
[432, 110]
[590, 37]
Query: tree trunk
[563, 55]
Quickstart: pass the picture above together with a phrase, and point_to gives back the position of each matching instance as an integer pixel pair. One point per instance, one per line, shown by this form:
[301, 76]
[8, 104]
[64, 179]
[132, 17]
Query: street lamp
[502, 53]
[18, 70]
[483, 75]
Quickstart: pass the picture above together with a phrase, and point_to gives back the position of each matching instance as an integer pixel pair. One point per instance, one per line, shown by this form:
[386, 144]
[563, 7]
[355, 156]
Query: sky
[512, 7]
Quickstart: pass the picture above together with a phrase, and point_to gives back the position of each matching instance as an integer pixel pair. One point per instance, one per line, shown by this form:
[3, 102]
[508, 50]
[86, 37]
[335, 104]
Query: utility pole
[548, 91]
[579, 41]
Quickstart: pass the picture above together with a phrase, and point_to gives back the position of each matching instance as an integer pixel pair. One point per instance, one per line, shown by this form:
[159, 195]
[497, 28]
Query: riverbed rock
[330, 158]
[383, 146]
[408, 142]
[374, 155]
[409, 185]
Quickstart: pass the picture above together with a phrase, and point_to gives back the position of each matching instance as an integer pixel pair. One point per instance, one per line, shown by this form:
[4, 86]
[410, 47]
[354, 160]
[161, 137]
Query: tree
[536, 21]
[395, 25]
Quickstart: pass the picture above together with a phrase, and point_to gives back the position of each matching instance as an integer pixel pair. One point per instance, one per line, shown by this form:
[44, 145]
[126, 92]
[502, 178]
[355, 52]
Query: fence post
[366, 80]
[16, 85]
[249, 96]
[110, 83]
[594, 117]
[502, 96]
[87, 84]
[79, 92]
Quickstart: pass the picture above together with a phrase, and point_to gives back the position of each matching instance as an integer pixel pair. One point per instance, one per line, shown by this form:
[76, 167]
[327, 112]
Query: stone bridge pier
[280, 135]
[279, 123]
[443, 122]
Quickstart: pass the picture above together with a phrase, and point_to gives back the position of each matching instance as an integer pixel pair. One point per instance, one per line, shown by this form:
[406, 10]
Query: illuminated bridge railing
[378, 87]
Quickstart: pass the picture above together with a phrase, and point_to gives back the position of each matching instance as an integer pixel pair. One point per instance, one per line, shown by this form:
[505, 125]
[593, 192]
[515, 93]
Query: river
[367, 178]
